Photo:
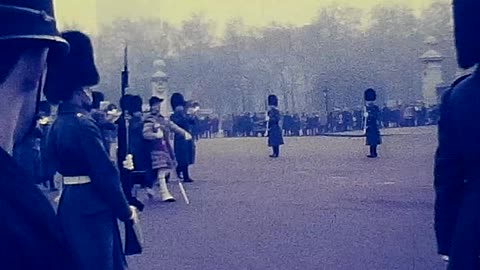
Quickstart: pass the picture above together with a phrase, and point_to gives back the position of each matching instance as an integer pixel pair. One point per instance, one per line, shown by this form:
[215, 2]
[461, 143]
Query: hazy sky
[87, 14]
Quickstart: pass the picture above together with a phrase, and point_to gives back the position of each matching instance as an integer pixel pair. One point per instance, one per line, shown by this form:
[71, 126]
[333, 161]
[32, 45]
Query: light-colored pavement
[321, 205]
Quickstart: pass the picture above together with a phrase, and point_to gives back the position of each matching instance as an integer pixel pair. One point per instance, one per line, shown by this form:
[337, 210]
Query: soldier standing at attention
[457, 170]
[275, 136]
[372, 122]
[29, 233]
[92, 199]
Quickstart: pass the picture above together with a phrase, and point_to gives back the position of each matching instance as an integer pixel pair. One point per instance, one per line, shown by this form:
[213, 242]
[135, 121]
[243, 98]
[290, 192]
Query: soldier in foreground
[92, 199]
[457, 170]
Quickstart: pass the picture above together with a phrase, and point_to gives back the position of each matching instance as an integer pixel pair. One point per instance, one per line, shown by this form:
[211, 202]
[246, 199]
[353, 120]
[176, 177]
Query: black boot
[276, 152]
[186, 175]
[373, 151]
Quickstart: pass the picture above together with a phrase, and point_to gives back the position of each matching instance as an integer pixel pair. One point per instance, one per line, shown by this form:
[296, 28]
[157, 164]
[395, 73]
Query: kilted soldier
[157, 131]
[457, 170]
[275, 136]
[30, 237]
[184, 149]
[92, 198]
[372, 119]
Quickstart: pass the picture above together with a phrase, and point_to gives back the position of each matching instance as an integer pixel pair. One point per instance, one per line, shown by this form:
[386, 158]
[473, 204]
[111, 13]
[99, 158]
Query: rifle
[125, 74]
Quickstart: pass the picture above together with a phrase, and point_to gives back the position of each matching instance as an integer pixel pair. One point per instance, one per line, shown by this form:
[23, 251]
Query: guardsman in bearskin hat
[30, 237]
[184, 149]
[457, 170]
[130, 137]
[372, 122]
[92, 198]
[156, 131]
[275, 136]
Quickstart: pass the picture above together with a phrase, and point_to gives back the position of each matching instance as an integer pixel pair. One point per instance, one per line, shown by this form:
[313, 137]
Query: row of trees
[344, 50]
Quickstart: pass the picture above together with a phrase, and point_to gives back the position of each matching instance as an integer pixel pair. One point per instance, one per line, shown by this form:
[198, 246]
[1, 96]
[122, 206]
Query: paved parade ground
[321, 205]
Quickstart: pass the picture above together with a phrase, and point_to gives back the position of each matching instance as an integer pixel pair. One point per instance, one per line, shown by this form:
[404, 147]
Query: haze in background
[229, 56]
[88, 15]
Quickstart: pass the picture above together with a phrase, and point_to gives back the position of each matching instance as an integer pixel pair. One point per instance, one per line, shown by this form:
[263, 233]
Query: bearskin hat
[272, 100]
[73, 72]
[136, 104]
[126, 102]
[176, 100]
[370, 95]
[466, 15]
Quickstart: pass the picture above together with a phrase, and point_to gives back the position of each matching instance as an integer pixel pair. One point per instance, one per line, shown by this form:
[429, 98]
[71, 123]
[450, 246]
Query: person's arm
[150, 132]
[178, 130]
[103, 174]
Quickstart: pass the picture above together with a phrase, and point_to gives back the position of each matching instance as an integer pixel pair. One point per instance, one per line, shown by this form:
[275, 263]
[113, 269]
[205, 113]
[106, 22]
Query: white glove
[159, 134]
[43, 121]
[134, 215]
[128, 163]
[445, 258]
[188, 136]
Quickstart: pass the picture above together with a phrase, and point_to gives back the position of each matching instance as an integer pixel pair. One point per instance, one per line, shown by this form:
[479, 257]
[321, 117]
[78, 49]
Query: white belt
[76, 180]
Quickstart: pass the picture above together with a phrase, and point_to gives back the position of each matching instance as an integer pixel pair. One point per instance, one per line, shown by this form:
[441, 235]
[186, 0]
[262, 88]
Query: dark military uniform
[275, 137]
[184, 149]
[136, 147]
[372, 122]
[29, 232]
[88, 212]
[457, 170]
[457, 176]
[372, 125]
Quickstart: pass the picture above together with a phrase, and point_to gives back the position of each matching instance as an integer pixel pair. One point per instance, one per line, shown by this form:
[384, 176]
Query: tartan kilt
[162, 160]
